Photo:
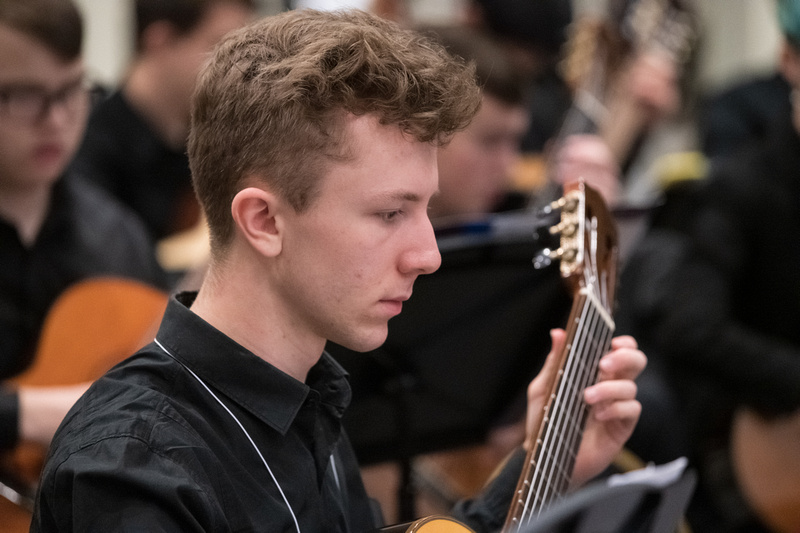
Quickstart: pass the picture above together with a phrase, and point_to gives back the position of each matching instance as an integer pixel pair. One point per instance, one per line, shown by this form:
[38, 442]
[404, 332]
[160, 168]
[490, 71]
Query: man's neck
[26, 209]
[248, 313]
[165, 117]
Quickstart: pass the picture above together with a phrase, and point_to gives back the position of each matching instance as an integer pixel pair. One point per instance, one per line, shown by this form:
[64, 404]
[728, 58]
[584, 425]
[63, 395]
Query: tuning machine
[568, 203]
[567, 228]
[546, 257]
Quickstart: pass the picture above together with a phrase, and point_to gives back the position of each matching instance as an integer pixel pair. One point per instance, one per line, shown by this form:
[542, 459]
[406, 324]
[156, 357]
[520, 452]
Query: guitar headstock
[588, 248]
[598, 46]
[667, 25]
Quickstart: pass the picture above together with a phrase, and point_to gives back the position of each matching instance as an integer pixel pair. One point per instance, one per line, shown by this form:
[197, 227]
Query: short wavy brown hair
[57, 24]
[271, 102]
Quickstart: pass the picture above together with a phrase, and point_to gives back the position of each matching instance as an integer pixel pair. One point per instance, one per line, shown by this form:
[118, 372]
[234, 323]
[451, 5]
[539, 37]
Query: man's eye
[389, 216]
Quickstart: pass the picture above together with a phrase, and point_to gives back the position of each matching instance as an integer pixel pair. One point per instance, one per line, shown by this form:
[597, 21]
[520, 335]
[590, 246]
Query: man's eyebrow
[407, 196]
[403, 195]
[35, 86]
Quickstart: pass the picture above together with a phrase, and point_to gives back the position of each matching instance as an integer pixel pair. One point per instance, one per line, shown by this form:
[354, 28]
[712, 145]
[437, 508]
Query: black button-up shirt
[156, 444]
[173, 438]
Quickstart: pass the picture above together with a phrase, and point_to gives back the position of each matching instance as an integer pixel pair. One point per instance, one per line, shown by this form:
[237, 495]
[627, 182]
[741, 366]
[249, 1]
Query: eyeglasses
[31, 103]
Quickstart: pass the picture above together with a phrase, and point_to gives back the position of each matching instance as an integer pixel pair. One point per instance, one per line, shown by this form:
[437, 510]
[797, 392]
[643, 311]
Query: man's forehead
[25, 60]
[14, 79]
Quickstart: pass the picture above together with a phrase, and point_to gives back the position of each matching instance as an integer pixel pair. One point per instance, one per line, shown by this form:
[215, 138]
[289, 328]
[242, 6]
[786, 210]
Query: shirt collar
[255, 385]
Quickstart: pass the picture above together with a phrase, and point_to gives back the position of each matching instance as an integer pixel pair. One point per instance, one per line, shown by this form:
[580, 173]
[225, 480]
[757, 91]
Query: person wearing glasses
[55, 230]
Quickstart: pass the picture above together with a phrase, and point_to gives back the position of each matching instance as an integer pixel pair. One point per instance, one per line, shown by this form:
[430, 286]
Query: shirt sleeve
[121, 484]
[487, 512]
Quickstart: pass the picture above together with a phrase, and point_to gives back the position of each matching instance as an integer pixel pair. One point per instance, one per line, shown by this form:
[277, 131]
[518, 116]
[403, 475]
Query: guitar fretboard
[548, 473]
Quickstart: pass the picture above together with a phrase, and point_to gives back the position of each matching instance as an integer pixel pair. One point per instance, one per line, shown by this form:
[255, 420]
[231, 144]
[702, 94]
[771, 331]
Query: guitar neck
[588, 255]
[548, 468]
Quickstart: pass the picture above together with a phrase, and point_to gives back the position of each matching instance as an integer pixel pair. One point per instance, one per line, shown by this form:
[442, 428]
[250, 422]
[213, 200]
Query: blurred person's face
[184, 54]
[43, 110]
[474, 168]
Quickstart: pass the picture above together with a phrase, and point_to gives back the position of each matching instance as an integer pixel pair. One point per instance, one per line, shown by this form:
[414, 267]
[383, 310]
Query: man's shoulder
[129, 431]
[91, 201]
[102, 221]
[136, 401]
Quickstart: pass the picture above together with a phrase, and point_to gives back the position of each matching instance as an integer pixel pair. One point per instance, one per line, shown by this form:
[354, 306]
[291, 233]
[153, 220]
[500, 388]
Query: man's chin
[365, 343]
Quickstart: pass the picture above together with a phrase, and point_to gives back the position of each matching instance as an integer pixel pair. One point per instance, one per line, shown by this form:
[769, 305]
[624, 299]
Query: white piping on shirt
[280, 489]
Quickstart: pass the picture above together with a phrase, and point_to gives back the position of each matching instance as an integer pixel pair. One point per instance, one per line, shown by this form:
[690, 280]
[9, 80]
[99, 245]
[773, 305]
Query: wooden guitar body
[93, 325]
[430, 524]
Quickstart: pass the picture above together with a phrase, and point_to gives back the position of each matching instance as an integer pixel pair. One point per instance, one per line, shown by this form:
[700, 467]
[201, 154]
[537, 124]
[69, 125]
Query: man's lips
[394, 305]
[49, 152]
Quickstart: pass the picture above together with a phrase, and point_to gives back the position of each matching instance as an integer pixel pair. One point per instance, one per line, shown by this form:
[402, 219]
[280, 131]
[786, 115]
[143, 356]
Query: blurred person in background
[135, 142]
[713, 295]
[54, 230]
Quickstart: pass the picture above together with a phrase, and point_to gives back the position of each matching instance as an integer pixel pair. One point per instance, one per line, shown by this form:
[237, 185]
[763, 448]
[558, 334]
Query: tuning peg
[543, 259]
[547, 255]
[565, 227]
[568, 203]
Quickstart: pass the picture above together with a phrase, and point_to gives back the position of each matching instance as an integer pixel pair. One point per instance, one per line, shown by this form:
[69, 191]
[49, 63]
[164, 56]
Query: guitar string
[575, 413]
[589, 370]
[546, 460]
[587, 374]
[568, 423]
[554, 444]
[564, 406]
[571, 416]
[571, 395]
[536, 493]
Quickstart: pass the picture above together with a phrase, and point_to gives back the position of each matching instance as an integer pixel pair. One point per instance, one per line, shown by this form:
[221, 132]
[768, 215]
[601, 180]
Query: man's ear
[255, 212]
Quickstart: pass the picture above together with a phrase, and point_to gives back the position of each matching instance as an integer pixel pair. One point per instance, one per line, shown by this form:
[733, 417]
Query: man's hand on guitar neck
[614, 409]
[41, 410]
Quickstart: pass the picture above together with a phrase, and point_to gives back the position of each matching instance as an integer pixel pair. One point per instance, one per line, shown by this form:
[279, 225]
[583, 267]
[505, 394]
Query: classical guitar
[90, 327]
[588, 257]
[597, 58]
[601, 43]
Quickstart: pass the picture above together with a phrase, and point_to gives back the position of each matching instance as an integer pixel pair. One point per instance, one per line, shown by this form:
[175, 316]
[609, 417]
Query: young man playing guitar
[313, 151]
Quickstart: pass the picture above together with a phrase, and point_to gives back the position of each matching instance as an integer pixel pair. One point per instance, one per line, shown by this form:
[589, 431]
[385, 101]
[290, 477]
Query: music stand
[652, 500]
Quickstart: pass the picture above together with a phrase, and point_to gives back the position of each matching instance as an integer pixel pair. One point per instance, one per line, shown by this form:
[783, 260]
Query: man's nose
[424, 256]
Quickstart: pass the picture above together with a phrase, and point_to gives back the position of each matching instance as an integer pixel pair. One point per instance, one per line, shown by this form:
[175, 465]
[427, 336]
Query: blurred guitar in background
[93, 325]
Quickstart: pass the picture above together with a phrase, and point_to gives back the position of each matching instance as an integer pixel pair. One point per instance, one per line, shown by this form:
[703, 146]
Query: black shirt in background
[121, 153]
[85, 234]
